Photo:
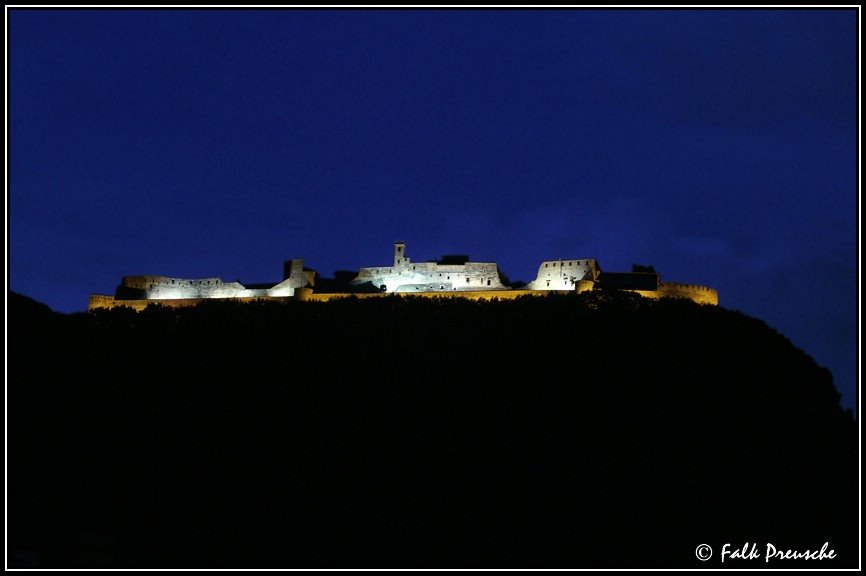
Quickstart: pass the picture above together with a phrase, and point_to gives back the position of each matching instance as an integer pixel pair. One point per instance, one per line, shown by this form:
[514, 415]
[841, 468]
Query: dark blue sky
[718, 146]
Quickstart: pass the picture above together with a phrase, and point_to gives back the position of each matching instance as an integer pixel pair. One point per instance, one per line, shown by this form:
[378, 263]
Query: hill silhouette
[591, 430]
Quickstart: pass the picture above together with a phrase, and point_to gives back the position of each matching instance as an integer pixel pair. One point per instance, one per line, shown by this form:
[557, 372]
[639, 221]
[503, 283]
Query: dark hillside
[592, 430]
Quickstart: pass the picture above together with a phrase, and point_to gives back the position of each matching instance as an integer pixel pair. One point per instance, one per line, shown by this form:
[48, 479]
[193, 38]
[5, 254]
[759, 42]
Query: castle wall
[164, 288]
[100, 301]
[465, 294]
[296, 278]
[564, 274]
[474, 280]
[408, 276]
[693, 292]
[699, 294]
[105, 301]
[307, 295]
[430, 276]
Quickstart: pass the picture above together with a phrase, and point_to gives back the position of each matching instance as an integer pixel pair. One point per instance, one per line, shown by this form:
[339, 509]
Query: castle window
[488, 281]
[467, 280]
[449, 277]
[545, 265]
[441, 286]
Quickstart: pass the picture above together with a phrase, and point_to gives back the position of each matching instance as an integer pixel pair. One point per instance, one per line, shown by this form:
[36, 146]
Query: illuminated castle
[564, 274]
[163, 288]
[452, 273]
[453, 276]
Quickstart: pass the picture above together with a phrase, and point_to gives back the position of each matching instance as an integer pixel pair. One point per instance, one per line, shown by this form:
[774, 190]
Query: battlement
[694, 292]
[678, 285]
[147, 282]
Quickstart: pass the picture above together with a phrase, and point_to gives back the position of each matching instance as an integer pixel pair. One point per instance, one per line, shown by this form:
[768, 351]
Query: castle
[454, 276]
[163, 288]
[406, 276]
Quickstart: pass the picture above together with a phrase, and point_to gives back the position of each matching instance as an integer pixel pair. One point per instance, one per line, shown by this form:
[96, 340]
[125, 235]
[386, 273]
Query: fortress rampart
[700, 294]
[106, 301]
[307, 295]
[473, 280]
[564, 274]
[407, 276]
[163, 288]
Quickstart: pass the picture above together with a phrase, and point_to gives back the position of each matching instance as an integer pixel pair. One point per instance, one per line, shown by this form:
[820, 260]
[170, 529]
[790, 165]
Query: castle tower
[293, 268]
[400, 258]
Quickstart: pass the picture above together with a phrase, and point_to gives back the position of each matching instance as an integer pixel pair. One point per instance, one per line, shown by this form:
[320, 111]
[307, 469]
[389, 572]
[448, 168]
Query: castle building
[452, 276]
[407, 276]
[564, 274]
[164, 288]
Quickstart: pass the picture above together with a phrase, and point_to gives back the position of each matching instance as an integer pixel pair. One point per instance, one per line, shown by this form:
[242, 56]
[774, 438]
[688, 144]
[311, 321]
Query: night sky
[719, 147]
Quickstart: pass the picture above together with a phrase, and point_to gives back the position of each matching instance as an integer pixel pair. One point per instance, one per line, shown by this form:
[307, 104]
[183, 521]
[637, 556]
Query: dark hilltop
[569, 431]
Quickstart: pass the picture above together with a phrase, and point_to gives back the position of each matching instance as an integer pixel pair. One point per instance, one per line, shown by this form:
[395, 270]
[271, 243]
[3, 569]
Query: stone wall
[466, 294]
[700, 294]
[695, 293]
[164, 288]
[475, 280]
[296, 278]
[104, 301]
[564, 274]
[408, 276]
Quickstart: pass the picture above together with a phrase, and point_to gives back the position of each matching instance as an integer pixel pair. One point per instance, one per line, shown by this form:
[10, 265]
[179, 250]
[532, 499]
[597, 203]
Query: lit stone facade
[164, 288]
[476, 280]
[407, 276]
[564, 274]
